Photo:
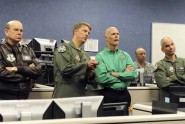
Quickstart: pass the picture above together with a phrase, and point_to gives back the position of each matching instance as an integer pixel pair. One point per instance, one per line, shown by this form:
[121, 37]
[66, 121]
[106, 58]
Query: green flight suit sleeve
[181, 78]
[131, 75]
[163, 79]
[102, 76]
[63, 60]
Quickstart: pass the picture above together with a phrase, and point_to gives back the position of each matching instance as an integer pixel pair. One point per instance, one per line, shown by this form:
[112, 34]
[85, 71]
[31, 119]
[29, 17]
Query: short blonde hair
[78, 25]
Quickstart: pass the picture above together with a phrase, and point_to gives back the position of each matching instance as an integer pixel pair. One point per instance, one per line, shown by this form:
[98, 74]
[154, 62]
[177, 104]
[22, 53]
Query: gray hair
[164, 38]
[8, 24]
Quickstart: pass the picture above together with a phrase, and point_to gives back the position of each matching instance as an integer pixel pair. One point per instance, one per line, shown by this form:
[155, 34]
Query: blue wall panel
[54, 19]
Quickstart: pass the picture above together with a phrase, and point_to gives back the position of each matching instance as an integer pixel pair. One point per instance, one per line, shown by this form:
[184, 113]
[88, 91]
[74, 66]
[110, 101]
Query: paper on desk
[91, 45]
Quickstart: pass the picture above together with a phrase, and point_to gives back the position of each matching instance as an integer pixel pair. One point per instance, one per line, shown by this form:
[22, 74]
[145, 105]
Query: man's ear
[105, 37]
[6, 31]
[162, 50]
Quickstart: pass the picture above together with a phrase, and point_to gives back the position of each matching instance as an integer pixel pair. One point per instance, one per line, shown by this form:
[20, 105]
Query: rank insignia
[171, 69]
[62, 49]
[11, 58]
[77, 57]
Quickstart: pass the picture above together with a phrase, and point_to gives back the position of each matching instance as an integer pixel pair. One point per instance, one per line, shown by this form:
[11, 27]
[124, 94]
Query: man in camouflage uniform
[141, 63]
[170, 70]
[73, 68]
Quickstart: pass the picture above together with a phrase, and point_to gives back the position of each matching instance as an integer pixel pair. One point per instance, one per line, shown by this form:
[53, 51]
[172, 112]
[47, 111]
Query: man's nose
[116, 36]
[171, 46]
[86, 33]
[19, 32]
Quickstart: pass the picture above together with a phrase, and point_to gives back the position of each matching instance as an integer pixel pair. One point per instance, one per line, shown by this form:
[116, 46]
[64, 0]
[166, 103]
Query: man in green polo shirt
[115, 70]
[170, 70]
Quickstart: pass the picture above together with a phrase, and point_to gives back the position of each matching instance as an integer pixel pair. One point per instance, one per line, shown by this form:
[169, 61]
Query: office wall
[55, 18]
[174, 31]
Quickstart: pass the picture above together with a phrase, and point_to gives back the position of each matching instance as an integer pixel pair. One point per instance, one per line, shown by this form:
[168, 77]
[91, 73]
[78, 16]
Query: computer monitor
[177, 95]
[77, 107]
[25, 41]
[64, 41]
[44, 45]
[115, 109]
[22, 110]
[160, 107]
[44, 49]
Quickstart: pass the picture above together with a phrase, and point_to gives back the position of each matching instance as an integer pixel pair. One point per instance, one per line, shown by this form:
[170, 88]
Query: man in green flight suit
[73, 68]
[115, 70]
[170, 70]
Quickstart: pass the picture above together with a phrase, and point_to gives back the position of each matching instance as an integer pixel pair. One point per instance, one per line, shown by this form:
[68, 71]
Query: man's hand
[92, 64]
[129, 68]
[32, 65]
[168, 78]
[90, 73]
[115, 74]
[11, 69]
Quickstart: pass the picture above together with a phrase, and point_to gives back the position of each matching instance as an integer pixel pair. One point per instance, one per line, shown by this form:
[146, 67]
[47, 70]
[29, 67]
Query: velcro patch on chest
[11, 58]
[180, 69]
[27, 58]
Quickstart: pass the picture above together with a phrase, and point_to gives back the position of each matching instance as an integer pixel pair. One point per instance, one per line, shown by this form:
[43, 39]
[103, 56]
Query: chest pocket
[7, 57]
[180, 70]
[148, 72]
[26, 58]
[80, 56]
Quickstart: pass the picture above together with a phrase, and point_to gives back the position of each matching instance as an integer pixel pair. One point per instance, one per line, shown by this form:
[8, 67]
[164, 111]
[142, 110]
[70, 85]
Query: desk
[138, 94]
[178, 118]
[41, 92]
[144, 94]
[148, 119]
[145, 109]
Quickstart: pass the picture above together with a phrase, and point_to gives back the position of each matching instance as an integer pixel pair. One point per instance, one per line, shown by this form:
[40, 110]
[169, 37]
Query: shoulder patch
[62, 49]
[160, 62]
[155, 67]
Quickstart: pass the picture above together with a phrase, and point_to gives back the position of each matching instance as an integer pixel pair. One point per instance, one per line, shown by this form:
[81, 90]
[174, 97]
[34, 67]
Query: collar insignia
[171, 69]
